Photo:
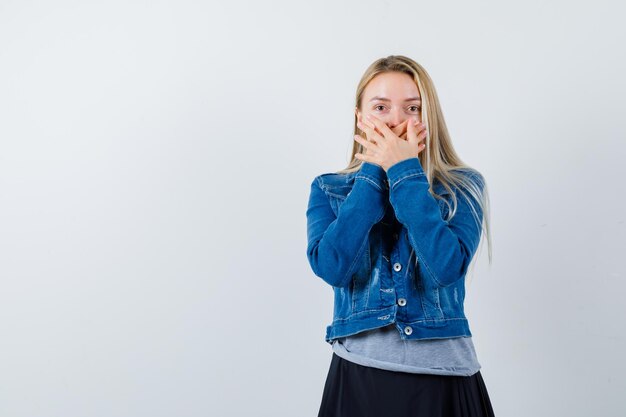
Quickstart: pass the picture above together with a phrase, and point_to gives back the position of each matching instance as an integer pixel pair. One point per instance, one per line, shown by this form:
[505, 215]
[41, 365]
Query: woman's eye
[380, 107]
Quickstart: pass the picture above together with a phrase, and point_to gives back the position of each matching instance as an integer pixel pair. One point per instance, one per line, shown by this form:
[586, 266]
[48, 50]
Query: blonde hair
[439, 159]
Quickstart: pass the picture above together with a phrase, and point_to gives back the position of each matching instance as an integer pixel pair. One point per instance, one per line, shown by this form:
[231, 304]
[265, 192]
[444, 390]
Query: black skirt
[354, 390]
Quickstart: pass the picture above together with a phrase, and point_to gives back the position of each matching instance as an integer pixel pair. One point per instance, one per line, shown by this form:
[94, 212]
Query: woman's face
[392, 97]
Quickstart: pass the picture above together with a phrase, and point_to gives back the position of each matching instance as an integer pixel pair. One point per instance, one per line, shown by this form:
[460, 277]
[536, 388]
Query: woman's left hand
[387, 148]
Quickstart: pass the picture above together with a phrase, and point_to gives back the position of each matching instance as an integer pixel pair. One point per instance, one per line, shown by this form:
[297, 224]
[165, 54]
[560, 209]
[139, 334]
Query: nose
[395, 118]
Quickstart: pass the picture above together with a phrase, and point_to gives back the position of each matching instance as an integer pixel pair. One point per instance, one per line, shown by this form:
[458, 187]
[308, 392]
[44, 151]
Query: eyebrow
[386, 99]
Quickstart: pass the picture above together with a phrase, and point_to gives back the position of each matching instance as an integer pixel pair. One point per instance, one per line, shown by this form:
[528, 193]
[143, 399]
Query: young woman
[394, 234]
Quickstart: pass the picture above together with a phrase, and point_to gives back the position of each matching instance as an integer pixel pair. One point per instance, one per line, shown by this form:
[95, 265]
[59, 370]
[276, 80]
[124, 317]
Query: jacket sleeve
[337, 243]
[444, 249]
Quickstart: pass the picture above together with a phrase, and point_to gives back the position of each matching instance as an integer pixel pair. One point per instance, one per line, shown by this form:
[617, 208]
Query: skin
[393, 127]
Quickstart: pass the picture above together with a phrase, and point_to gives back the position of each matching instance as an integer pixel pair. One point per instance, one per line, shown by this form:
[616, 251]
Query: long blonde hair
[439, 160]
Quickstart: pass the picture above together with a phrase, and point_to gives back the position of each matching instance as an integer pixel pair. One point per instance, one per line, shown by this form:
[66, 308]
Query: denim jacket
[380, 240]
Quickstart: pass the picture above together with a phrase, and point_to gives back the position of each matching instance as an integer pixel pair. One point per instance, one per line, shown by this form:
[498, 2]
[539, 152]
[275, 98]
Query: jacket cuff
[407, 168]
[374, 174]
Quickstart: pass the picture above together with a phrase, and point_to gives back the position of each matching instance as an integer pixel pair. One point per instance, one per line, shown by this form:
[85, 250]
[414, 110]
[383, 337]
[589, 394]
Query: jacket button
[395, 236]
[397, 267]
[408, 330]
[401, 302]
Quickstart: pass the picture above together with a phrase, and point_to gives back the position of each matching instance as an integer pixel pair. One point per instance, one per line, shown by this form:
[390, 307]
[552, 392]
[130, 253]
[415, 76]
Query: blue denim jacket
[381, 241]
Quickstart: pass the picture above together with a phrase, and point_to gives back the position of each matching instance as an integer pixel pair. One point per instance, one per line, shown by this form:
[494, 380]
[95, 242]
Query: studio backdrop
[155, 165]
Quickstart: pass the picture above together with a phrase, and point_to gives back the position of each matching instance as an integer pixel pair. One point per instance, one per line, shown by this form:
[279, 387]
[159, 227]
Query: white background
[155, 164]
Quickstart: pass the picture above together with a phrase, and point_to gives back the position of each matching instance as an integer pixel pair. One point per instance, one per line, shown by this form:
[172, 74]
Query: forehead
[392, 85]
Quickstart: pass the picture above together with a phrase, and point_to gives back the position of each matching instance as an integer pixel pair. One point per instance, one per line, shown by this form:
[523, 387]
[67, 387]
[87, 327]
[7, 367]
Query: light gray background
[155, 163]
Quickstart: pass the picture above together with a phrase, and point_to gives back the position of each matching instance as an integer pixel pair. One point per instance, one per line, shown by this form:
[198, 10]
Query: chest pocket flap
[336, 194]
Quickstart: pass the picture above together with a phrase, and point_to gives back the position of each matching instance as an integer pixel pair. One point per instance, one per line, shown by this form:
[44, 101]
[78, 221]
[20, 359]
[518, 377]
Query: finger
[421, 131]
[363, 157]
[397, 130]
[364, 142]
[410, 133]
[421, 128]
[382, 127]
[417, 138]
[369, 131]
[421, 138]
[371, 125]
[365, 125]
[363, 129]
[401, 128]
[404, 134]
[416, 132]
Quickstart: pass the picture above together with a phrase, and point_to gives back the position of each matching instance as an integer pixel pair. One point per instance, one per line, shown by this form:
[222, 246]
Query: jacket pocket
[430, 301]
[361, 283]
[342, 308]
[336, 202]
[444, 201]
[336, 196]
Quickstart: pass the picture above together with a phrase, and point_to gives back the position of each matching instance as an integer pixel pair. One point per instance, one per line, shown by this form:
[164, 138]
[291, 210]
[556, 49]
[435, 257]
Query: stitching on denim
[358, 255]
[417, 252]
[437, 320]
[366, 289]
[352, 292]
[369, 277]
[359, 313]
[420, 290]
[339, 321]
[338, 196]
[438, 301]
[369, 180]
[409, 175]
[365, 241]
